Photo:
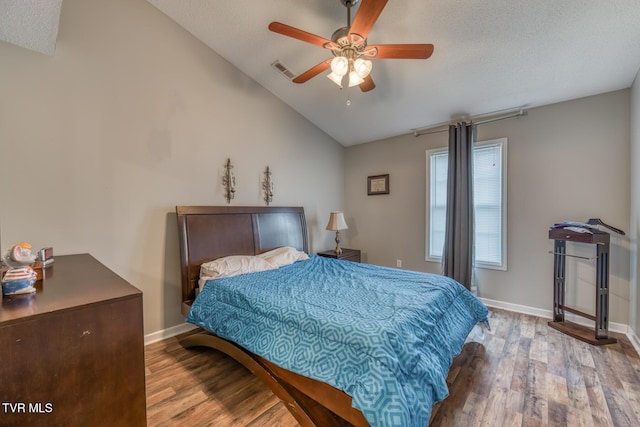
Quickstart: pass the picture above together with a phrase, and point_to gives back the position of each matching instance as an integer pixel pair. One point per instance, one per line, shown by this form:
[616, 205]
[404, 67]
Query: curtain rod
[518, 113]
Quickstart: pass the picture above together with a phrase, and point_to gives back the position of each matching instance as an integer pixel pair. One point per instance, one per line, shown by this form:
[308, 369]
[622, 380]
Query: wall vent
[283, 69]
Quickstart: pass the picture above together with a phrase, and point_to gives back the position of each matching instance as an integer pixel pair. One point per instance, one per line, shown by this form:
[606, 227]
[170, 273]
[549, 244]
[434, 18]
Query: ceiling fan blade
[313, 71]
[366, 16]
[289, 31]
[367, 85]
[399, 51]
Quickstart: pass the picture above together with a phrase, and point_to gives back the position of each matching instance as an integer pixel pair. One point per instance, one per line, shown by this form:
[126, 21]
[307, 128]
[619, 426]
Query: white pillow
[284, 255]
[232, 266]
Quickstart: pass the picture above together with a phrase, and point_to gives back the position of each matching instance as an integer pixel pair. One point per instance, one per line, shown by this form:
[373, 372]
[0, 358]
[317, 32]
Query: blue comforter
[386, 337]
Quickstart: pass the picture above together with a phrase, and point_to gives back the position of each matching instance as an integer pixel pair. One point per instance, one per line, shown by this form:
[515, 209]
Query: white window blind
[489, 194]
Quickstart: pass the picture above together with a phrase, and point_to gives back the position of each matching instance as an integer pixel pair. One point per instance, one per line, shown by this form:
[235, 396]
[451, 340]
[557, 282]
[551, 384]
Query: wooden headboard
[209, 232]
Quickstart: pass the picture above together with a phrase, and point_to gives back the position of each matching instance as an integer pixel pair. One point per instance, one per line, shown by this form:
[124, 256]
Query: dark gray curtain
[457, 256]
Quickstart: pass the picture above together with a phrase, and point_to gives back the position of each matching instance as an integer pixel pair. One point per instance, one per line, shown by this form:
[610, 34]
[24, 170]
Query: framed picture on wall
[377, 184]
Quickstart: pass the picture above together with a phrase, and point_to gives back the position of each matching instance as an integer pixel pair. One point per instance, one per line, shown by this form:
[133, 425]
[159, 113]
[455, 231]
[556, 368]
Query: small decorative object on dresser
[20, 277]
[347, 254]
[377, 184]
[337, 223]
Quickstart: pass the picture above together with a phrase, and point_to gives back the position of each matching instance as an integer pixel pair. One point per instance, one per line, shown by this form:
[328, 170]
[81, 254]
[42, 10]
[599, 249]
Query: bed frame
[210, 232]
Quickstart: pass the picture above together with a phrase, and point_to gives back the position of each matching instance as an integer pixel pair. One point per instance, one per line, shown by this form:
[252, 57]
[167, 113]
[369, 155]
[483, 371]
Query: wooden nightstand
[347, 254]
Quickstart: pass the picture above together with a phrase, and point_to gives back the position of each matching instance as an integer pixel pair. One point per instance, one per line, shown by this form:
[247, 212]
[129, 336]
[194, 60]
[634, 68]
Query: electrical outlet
[399, 263]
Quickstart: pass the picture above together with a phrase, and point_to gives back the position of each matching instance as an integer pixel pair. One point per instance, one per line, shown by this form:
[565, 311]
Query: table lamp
[337, 223]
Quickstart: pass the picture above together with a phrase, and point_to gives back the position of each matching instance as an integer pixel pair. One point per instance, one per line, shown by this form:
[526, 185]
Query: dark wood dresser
[347, 254]
[73, 352]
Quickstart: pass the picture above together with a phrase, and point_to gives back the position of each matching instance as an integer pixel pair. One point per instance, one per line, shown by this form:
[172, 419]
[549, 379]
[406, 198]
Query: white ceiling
[489, 56]
[32, 24]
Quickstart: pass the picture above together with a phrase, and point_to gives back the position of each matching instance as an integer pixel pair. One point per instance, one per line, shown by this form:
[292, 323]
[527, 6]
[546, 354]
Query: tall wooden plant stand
[600, 334]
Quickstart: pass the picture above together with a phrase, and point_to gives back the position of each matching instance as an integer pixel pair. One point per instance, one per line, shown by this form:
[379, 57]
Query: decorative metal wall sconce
[229, 182]
[267, 186]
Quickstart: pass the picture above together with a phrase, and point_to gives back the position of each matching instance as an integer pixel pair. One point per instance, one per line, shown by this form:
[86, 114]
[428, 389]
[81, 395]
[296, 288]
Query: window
[490, 203]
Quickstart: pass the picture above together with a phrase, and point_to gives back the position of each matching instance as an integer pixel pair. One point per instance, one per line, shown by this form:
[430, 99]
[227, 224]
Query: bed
[321, 391]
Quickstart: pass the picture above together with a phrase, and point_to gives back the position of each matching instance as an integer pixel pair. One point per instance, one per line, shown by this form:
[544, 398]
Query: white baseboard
[517, 308]
[548, 314]
[635, 341]
[168, 333]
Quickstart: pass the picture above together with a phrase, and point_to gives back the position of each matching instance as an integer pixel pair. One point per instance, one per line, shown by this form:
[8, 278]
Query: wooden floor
[522, 373]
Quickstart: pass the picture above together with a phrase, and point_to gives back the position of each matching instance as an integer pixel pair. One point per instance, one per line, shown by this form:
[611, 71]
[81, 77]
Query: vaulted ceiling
[489, 56]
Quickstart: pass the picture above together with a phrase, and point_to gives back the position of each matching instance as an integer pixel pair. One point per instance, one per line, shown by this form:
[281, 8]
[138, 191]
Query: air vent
[283, 69]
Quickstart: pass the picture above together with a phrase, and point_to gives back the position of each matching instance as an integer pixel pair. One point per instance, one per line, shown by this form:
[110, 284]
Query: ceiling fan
[352, 54]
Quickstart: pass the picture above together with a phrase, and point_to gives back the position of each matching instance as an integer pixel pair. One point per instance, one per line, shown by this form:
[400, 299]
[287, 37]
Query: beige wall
[565, 161]
[131, 117]
[635, 205]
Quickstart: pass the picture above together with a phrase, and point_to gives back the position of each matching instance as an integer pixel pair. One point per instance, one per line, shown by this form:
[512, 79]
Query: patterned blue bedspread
[384, 336]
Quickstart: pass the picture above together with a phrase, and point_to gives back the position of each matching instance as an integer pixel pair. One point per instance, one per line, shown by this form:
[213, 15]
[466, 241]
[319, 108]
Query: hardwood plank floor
[521, 373]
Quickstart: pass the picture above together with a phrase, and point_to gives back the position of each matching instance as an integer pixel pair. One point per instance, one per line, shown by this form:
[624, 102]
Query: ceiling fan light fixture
[348, 44]
[362, 67]
[335, 78]
[355, 79]
[340, 65]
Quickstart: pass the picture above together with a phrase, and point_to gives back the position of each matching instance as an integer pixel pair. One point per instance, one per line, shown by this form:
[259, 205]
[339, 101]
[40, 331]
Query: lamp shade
[355, 79]
[362, 67]
[336, 222]
[335, 78]
[340, 65]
